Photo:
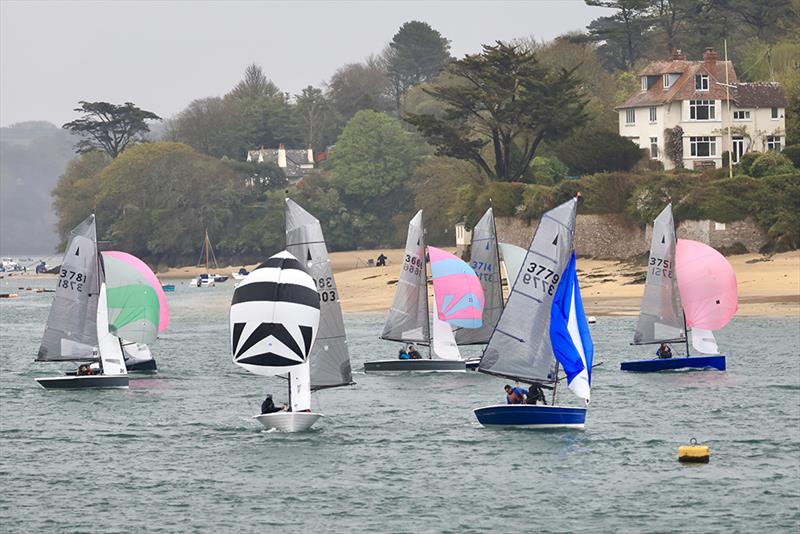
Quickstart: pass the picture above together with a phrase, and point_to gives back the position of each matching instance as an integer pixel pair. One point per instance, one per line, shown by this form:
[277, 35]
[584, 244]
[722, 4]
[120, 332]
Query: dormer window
[644, 83]
[667, 81]
[701, 82]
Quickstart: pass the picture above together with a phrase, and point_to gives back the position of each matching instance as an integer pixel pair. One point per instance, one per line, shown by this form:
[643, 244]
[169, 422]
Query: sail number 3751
[660, 267]
[540, 277]
[72, 280]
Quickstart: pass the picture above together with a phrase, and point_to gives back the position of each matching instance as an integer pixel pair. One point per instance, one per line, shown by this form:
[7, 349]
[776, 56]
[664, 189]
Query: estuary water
[179, 451]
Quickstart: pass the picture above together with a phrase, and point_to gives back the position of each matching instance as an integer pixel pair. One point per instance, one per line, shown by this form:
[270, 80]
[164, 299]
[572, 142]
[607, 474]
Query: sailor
[243, 271]
[664, 351]
[414, 353]
[84, 370]
[535, 395]
[381, 260]
[403, 355]
[515, 395]
[268, 406]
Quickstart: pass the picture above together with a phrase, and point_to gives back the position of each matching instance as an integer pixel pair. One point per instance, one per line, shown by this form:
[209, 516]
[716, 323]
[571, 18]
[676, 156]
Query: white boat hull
[288, 421]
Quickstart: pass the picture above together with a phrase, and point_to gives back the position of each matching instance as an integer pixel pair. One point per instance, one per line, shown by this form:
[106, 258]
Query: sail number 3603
[72, 280]
[540, 277]
[327, 293]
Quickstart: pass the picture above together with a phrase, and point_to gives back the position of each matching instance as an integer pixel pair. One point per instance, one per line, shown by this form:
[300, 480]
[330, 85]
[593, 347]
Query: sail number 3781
[540, 277]
[72, 280]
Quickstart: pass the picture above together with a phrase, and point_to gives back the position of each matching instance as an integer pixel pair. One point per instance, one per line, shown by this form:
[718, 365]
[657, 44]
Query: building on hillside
[692, 95]
[296, 163]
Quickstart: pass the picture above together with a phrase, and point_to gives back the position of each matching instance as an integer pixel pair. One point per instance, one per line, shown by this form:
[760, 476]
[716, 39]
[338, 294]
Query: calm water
[180, 452]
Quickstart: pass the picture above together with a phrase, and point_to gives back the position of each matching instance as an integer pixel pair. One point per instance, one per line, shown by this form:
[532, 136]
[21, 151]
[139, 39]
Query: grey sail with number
[485, 261]
[408, 316]
[71, 331]
[520, 347]
[329, 357]
[661, 315]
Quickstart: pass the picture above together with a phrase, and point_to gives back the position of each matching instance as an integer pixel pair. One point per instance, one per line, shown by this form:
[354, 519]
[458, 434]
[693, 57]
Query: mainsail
[485, 261]
[408, 316]
[71, 331]
[329, 358]
[274, 317]
[520, 346]
[660, 316]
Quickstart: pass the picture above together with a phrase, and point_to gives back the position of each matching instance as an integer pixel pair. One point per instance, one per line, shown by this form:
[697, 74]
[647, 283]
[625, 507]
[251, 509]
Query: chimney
[709, 56]
[677, 53]
[281, 156]
[310, 156]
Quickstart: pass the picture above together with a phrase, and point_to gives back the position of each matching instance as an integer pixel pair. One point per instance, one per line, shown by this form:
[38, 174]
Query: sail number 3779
[540, 277]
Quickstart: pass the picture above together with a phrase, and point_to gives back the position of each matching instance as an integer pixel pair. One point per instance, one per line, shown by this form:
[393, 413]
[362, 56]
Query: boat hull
[288, 421]
[84, 382]
[472, 364]
[668, 364]
[531, 416]
[142, 366]
[405, 366]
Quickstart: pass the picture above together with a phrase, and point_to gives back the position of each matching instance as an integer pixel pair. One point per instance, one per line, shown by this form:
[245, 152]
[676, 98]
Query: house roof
[759, 95]
[295, 158]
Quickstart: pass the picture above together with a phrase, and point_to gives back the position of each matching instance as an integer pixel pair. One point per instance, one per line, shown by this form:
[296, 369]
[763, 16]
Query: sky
[162, 55]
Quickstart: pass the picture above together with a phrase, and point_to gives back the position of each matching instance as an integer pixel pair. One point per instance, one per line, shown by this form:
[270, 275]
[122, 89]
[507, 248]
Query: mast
[730, 135]
[555, 385]
[206, 246]
[427, 306]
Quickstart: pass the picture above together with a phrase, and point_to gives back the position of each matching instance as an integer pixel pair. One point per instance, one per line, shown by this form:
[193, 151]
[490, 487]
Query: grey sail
[485, 261]
[661, 315]
[520, 346]
[329, 357]
[408, 316]
[71, 331]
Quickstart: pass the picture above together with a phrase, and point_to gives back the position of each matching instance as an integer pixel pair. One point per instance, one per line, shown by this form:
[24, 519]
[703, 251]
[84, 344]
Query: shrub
[793, 153]
[546, 171]
[771, 163]
[673, 145]
[595, 149]
[504, 197]
[746, 161]
[607, 192]
[775, 208]
[538, 199]
[653, 192]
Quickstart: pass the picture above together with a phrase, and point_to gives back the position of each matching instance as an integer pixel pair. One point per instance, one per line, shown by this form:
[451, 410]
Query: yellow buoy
[693, 453]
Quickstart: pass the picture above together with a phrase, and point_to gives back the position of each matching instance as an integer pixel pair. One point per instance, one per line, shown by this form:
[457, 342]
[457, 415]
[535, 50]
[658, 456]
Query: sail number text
[413, 264]
[540, 277]
[327, 293]
[660, 267]
[72, 280]
[485, 269]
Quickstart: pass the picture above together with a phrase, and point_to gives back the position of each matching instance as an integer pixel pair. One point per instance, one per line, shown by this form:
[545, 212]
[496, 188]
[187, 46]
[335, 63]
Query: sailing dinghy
[408, 320]
[77, 326]
[274, 320]
[689, 285]
[543, 326]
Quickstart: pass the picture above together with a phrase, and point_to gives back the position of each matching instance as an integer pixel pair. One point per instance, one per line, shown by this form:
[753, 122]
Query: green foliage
[109, 127]
[503, 197]
[537, 199]
[792, 152]
[596, 149]
[776, 207]
[653, 192]
[359, 86]
[771, 163]
[746, 161]
[607, 192]
[546, 171]
[673, 145]
[76, 191]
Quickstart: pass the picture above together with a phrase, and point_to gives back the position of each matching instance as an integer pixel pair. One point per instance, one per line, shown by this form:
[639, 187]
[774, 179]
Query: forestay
[134, 306]
[274, 317]
[485, 261]
[71, 331]
[329, 358]
[520, 346]
[408, 316]
[660, 315]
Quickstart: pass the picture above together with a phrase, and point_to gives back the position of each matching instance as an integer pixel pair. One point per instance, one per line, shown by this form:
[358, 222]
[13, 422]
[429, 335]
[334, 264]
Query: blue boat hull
[531, 416]
[667, 364]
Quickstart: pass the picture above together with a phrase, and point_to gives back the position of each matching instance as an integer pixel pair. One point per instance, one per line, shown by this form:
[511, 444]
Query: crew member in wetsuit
[664, 351]
[535, 395]
[268, 406]
[515, 395]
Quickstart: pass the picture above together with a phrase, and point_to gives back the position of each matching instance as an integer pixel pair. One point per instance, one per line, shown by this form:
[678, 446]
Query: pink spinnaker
[140, 266]
[459, 294]
[707, 285]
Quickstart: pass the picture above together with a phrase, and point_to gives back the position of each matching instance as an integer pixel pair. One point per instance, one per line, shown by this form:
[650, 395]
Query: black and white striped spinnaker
[274, 317]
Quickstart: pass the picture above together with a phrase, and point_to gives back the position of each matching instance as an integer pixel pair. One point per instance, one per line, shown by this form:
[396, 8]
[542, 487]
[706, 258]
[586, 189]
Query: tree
[358, 86]
[596, 149]
[109, 127]
[75, 194]
[315, 116]
[210, 126]
[507, 101]
[254, 84]
[416, 54]
[623, 34]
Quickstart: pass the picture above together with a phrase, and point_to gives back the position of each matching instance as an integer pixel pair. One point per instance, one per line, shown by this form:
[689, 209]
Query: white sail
[703, 341]
[300, 388]
[513, 256]
[444, 342]
[109, 347]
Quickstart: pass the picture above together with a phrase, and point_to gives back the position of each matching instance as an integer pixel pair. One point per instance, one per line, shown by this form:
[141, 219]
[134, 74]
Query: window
[701, 82]
[654, 148]
[774, 142]
[775, 113]
[630, 116]
[667, 81]
[741, 115]
[703, 147]
[653, 114]
[701, 110]
[719, 226]
[644, 83]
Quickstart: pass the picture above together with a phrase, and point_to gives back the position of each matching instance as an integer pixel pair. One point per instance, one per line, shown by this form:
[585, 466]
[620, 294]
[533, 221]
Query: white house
[692, 95]
[296, 163]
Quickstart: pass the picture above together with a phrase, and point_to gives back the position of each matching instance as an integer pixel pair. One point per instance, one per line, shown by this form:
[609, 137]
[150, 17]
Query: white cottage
[692, 95]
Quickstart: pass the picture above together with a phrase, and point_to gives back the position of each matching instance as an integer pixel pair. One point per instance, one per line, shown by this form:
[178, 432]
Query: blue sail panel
[569, 333]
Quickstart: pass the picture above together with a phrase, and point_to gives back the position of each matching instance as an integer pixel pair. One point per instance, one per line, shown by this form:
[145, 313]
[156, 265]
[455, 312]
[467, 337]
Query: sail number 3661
[72, 280]
[541, 278]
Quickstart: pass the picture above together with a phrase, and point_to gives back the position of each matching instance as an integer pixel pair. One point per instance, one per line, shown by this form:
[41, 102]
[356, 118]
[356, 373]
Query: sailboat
[207, 279]
[408, 320]
[689, 284]
[543, 327]
[77, 326]
[274, 318]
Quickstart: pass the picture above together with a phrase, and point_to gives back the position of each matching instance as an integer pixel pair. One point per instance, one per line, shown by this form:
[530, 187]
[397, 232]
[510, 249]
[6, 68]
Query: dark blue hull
[668, 364]
[531, 416]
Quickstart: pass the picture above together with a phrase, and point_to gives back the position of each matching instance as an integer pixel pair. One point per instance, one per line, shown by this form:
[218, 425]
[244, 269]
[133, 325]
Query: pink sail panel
[707, 285]
[458, 291]
[141, 267]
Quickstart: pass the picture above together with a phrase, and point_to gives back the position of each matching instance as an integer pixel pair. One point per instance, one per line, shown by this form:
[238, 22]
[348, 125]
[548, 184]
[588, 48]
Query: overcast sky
[163, 55]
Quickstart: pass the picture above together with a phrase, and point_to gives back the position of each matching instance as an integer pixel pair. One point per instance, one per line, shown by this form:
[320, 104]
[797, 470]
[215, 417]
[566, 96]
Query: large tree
[417, 53]
[109, 127]
[358, 86]
[254, 84]
[506, 100]
[623, 35]
[315, 117]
